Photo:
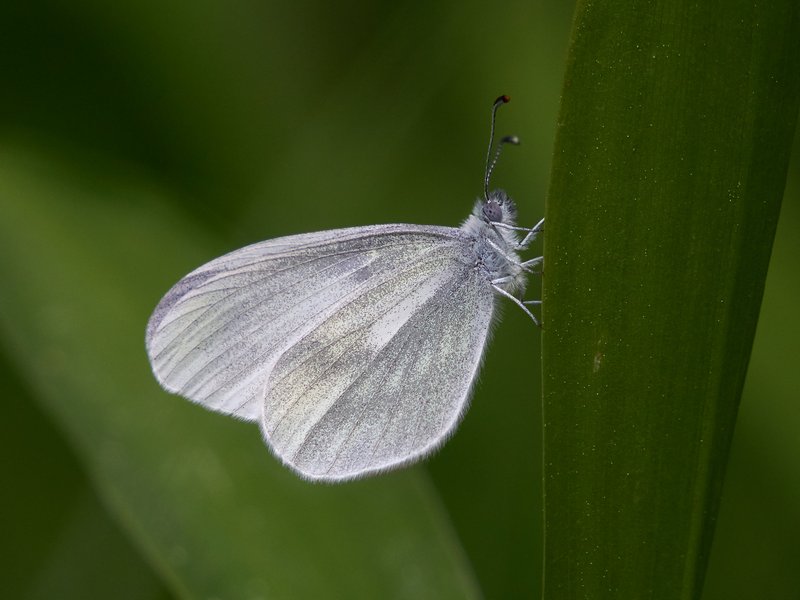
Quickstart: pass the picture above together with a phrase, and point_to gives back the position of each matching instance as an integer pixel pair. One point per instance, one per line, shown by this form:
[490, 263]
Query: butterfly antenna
[509, 139]
[489, 162]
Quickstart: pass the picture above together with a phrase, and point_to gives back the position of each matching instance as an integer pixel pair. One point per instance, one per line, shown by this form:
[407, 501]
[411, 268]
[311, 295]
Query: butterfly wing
[217, 334]
[384, 380]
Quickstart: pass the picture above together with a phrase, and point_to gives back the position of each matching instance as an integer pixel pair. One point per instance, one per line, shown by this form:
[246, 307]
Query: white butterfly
[355, 349]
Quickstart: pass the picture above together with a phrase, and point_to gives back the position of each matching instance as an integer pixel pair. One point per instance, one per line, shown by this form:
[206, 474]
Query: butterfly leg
[530, 235]
[513, 298]
[525, 266]
[536, 229]
[532, 263]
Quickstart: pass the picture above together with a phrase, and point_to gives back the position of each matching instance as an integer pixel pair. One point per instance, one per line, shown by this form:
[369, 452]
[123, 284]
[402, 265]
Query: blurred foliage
[195, 128]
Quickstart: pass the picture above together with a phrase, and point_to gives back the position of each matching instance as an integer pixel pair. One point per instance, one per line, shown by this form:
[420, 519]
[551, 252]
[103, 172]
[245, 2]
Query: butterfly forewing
[217, 334]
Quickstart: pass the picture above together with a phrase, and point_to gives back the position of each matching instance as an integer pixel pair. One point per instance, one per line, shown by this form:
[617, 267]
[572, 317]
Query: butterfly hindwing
[383, 381]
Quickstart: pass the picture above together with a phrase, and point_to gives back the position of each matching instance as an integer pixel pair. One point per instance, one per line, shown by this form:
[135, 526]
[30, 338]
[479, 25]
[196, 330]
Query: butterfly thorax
[495, 247]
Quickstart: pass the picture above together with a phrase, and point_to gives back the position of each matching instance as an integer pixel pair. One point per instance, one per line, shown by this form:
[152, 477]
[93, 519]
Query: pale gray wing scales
[217, 333]
[355, 397]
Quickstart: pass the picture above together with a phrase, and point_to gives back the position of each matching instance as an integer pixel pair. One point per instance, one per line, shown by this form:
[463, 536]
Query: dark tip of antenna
[502, 99]
[510, 139]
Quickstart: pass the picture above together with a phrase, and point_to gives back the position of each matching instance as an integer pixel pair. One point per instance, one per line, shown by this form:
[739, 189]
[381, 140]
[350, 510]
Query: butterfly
[354, 349]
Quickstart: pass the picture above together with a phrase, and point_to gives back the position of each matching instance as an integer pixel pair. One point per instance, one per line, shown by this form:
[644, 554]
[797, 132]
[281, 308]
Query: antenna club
[502, 100]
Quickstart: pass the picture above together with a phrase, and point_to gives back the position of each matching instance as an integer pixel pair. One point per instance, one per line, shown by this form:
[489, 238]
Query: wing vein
[393, 414]
[251, 284]
[352, 298]
[254, 308]
[341, 337]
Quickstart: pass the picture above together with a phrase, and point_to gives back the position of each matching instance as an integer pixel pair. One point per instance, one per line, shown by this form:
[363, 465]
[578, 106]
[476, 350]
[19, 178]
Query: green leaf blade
[673, 143]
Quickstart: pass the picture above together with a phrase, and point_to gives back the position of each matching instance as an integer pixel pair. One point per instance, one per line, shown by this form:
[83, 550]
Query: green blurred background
[230, 122]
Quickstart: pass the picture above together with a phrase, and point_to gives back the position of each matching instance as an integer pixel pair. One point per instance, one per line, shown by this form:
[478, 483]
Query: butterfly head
[496, 208]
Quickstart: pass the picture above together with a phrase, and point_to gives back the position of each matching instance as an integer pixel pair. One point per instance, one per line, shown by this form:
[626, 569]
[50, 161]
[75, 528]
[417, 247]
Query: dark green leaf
[674, 137]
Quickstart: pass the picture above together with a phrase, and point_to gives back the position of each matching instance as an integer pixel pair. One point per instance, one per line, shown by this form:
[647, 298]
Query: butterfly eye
[492, 211]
